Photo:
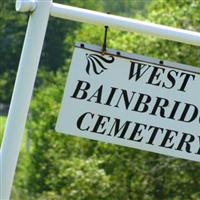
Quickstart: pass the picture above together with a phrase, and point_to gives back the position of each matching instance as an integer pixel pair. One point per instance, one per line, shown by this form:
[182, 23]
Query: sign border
[134, 57]
[138, 57]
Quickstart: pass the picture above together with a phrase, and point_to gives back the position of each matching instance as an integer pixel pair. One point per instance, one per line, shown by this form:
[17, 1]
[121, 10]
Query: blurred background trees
[57, 167]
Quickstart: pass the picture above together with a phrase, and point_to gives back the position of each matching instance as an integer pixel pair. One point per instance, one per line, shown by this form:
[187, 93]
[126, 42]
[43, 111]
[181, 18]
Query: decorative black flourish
[95, 61]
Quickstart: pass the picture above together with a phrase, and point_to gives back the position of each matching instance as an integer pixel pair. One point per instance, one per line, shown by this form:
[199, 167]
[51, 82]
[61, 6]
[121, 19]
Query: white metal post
[23, 89]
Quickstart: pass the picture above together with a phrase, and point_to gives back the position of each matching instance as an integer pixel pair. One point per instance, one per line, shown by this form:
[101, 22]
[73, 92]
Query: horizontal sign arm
[122, 23]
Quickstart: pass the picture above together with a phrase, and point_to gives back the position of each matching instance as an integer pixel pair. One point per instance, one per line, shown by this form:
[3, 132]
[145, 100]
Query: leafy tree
[65, 167]
[72, 175]
[12, 31]
[13, 26]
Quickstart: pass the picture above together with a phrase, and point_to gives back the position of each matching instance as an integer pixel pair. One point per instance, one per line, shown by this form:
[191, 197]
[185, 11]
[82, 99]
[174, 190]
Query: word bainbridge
[134, 103]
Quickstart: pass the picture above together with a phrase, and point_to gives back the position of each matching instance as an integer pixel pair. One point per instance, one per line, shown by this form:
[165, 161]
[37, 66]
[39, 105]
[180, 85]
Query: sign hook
[105, 40]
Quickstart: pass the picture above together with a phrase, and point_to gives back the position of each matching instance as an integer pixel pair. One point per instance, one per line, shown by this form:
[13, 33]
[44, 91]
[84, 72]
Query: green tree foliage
[53, 58]
[55, 50]
[2, 126]
[125, 7]
[67, 167]
[61, 166]
[12, 31]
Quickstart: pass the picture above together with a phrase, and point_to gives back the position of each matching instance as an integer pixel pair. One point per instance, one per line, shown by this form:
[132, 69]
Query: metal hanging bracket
[105, 40]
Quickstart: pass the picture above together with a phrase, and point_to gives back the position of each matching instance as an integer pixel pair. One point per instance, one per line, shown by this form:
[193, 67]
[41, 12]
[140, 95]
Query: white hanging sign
[133, 101]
